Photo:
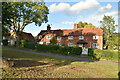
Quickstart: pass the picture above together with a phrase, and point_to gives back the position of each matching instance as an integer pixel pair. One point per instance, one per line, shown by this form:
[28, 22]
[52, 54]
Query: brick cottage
[81, 37]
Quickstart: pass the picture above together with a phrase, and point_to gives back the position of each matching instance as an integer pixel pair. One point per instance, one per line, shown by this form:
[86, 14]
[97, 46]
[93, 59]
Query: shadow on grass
[27, 63]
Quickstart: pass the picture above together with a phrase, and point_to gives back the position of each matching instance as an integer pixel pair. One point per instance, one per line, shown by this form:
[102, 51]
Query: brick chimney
[48, 27]
[75, 26]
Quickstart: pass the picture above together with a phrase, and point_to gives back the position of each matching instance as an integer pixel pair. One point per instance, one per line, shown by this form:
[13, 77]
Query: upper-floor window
[40, 36]
[49, 37]
[70, 44]
[70, 37]
[95, 37]
[81, 37]
[95, 45]
[59, 37]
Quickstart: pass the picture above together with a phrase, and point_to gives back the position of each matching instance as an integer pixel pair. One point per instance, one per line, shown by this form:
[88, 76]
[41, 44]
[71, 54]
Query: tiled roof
[74, 32]
[27, 35]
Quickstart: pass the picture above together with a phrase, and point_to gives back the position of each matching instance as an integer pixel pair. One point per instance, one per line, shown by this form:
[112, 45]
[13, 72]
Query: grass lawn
[29, 65]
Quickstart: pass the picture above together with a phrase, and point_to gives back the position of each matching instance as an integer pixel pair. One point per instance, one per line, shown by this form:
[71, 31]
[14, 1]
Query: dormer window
[70, 37]
[95, 37]
[40, 36]
[59, 37]
[81, 37]
[48, 37]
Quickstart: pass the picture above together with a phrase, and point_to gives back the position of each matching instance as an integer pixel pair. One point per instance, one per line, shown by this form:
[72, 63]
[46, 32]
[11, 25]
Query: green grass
[36, 66]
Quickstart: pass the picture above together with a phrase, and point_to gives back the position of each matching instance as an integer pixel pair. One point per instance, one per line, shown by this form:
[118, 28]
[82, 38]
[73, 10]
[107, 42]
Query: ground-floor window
[47, 43]
[80, 45]
[70, 44]
[40, 42]
[95, 45]
[59, 44]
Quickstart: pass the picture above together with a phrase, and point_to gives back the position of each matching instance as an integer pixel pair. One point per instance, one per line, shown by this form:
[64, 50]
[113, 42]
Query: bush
[30, 45]
[90, 51]
[103, 54]
[60, 49]
[5, 42]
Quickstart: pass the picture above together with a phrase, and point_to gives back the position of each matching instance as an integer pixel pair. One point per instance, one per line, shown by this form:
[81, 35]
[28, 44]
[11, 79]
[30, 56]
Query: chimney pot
[48, 27]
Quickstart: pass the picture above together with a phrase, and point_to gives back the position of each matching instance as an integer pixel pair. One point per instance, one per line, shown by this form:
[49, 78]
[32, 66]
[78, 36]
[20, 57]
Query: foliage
[53, 41]
[90, 52]
[114, 42]
[108, 26]
[5, 31]
[21, 14]
[59, 49]
[30, 45]
[23, 42]
[103, 54]
[85, 25]
[5, 42]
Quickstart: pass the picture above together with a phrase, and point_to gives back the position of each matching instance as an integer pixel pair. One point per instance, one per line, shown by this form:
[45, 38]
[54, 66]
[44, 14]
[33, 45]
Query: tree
[81, 24]
[108, 26]
[85, 25]
[53, 41]
[17, 15]
[5, 31]
[89, 26]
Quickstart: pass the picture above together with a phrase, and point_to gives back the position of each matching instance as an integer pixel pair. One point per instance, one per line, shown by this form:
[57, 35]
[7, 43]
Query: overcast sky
[63, 15]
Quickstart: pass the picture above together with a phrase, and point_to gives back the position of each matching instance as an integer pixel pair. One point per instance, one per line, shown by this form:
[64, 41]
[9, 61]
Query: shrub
[30, 45]
[59, 49]
[23, 42]
[5, 42]
[90, 52]
[46, 48]
[103, 54]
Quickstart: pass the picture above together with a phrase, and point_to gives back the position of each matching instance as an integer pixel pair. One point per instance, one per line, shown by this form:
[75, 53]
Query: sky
[63, 15]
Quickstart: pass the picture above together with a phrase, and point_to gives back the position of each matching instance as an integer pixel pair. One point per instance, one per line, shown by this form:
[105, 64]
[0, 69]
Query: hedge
[30, 45]
[5, 42]
[103, 54]
[59, 49]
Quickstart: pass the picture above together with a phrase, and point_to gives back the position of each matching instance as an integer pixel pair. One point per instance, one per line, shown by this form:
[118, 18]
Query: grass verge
[29, 65]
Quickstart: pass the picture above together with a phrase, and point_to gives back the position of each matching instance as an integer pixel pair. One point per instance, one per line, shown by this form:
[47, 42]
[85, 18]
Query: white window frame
[80, 45]
[59, 44]
[95, 45]
[41, 42]
[47, 43]
[70, 37]
[81, 37]
[49, 37]
[59, 37]
[40, 36]
[95, 37]
[70, 44]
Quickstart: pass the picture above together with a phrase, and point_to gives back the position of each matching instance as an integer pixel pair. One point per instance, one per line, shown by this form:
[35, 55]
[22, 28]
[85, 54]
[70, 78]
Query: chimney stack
[48, 27]
[75, 26]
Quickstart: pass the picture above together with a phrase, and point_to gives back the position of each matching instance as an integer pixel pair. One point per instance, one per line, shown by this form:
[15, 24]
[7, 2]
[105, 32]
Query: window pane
[70, 37]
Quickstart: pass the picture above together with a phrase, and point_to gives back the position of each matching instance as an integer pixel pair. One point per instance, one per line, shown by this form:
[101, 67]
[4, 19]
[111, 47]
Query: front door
[80, 45]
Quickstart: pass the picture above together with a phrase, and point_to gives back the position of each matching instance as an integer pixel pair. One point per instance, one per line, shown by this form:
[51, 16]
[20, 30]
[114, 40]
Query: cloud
[67, 22]
[104, 9]
[59, 7]
[76, 8]
[95, 19]
[114, 13]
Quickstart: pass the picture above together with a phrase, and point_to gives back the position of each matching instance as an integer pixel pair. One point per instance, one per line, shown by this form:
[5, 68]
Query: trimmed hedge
[103, 54]
[59, 49]
[5, 42]
[30, 45]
